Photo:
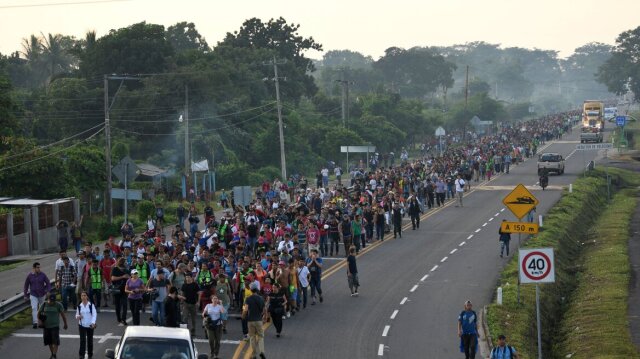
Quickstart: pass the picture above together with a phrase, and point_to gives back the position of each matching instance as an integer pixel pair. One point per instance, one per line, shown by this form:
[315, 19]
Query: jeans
[503, 245]
[63, 243]
[315, 284]
[335, 238]
[460, 194]
[77, 243]
[507, 165]
[36, 302]
[86, 341]
[380, 230]
[440, 198]
[347, 244]
[256, 337]
[135, 305]
[324, 247]
[302, 298]
[157, 312]
[68, 292]
[121, 306]
[369, 232]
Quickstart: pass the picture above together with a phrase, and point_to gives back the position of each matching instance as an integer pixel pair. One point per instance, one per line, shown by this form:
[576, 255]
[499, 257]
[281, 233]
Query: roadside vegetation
[569, 229]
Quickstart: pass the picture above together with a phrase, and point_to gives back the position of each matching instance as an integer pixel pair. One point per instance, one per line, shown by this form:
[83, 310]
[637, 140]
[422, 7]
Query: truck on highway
[592, 121]
[550, 162]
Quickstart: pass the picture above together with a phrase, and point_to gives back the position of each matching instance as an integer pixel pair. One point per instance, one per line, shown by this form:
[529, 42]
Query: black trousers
[397, 228]
[415, 220]
[276, 317]
[469, 343]
[120, 300]
[135, 305]
[86, 341]
[430, 199]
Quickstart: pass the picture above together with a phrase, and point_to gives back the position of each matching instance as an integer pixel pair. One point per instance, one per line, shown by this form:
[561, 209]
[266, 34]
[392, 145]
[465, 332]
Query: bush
[145, 208]
[106, 230]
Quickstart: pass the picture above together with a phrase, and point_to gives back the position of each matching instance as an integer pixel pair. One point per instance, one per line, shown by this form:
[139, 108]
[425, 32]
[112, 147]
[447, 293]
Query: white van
[142, 342]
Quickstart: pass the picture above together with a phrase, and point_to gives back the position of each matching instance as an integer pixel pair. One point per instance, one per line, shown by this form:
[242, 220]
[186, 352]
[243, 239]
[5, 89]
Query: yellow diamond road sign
[520, 201]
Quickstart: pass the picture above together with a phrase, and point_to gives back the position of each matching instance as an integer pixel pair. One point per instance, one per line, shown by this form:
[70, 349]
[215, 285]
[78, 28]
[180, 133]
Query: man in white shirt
[303, 277]
[338, 172]
[460, 183]
[325, 177]
[286, 244]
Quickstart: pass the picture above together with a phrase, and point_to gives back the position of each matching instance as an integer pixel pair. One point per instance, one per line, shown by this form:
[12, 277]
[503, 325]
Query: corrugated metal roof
[24, 202]
[150, 170]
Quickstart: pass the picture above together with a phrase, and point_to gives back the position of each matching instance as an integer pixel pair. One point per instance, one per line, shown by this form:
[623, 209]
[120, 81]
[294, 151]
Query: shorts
[51, 336]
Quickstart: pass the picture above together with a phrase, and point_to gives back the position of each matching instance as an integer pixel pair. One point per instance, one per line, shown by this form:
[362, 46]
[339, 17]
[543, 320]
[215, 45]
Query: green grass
[596, 320]
[14, 323]
[4, 267]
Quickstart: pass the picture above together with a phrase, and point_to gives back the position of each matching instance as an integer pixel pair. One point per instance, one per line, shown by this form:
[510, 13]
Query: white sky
[365, 26]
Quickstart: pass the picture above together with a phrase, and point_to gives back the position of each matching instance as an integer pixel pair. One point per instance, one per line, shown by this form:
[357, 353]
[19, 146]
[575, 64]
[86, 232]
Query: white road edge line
[470, 236]
[462, 244]
[444, 259]
[502, 210]
[490, 219]
[485, 224]
[393, 315]
[453, 251]
[478, 230]
[105, 338]
[497, 214]
[434, 268]
[381, 350]
[413, 289]
[386, 331]
[424, 278]
[404, 300]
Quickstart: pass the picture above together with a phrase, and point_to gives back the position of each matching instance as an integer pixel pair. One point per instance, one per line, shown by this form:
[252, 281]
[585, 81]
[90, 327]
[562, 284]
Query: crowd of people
[265, 260]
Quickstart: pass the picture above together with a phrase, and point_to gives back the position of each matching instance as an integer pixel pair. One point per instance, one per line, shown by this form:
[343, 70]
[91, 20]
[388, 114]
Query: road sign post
[536, 266]
[520, 201]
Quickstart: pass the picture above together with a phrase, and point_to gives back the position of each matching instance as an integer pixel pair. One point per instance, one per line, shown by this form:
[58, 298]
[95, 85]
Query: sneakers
[355, 294]
[35, 325]
[120, 324]
[321, 299]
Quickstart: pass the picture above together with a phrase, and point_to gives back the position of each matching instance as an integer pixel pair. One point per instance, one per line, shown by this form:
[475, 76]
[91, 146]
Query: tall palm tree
[54, 54]
[31, 48]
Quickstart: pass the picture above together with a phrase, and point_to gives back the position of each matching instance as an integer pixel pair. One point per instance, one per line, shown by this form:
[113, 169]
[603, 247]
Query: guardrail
[13, 306]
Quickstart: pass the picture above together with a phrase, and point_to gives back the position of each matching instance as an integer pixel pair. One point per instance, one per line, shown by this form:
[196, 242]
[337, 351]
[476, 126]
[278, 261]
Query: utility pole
[466, 90]
[283, 161]
[187, 151]
[107, 151]
[345, 100]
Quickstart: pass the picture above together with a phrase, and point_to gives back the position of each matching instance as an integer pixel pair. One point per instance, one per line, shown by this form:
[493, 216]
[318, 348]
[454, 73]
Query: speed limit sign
[536, 265]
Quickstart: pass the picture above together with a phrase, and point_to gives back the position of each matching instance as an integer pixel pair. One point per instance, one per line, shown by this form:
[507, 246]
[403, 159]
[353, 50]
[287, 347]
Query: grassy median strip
[596, 322]
[11, 265]
[16, 322]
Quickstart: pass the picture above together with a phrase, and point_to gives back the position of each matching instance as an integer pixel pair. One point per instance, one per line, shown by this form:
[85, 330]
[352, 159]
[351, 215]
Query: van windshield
[155, 348]
[550, 158]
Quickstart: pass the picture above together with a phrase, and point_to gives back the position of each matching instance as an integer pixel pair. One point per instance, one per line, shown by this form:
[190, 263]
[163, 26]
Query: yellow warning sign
[519, 227]
[520, 201]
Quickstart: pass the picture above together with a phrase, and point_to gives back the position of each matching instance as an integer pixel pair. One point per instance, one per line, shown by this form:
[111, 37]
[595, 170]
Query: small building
[481, 127]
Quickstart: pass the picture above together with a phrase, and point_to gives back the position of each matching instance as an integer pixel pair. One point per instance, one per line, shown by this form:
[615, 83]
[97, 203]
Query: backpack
[494, 352]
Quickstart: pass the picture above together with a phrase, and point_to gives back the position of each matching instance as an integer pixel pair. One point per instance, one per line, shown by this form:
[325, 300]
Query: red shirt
[105, 267]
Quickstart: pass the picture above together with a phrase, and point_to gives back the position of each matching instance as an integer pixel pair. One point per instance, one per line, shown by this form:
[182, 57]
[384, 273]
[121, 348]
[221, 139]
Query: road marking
[424, 278]
[404, 300]
[434, 268]
[414, 288]
[470, 236]
[444, 259]
[462, 244]
[393, 315]
[109, 336]
[571, 154]
[502, 210]
[485, 224]
[490, 219]
[497, 214]
[386, 330]
[453, 251]
[478, 230]
[381, 350]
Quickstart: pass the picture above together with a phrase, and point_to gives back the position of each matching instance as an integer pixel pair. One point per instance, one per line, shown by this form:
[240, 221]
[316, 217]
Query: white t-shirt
[459, 185]
[303, 276]
[325, 172]
[337, 171]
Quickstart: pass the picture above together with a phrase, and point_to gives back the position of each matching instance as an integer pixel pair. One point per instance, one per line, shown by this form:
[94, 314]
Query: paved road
[413, 288]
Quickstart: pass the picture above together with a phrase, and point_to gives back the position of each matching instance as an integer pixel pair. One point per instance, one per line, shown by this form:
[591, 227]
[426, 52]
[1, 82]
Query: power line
[61, 4]
[201, 118]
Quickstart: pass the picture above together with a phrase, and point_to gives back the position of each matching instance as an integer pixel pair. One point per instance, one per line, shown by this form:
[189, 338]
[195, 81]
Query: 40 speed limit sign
[536, 265]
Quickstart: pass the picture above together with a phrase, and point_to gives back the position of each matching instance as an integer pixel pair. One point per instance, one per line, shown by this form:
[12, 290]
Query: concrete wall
[47, 240]
[20, 245]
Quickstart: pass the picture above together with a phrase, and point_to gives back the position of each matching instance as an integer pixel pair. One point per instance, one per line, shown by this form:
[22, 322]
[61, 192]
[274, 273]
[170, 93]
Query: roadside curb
[486, 343]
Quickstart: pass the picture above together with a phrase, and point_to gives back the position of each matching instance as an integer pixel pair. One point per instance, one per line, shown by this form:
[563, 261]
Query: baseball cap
[81, 252]
[52, 296]
[467, 302]
[184, 253]
[134, 271]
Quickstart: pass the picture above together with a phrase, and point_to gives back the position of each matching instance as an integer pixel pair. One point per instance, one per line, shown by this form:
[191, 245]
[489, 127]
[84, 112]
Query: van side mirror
[109, 353]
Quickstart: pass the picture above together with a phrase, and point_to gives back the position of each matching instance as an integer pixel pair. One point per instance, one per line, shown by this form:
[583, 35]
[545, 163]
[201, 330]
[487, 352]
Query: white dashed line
[424, 278]
[477, 230]
[105, 338]
[453, 251]
[490, 219]
[404, 300]
[393, 315]
[444, 259]
[462, 244]
[485, 224]
[470, 236]
[414, 288]
[386, 330]
[434, 268]
[497, 214]
[502, 210]
[381, 350]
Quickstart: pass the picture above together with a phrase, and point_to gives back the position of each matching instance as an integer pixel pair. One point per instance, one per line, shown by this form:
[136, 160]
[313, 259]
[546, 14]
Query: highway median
[585, 308]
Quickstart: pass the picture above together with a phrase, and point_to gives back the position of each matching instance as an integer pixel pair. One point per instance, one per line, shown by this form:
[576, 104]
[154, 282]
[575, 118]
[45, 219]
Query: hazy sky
[366, 26]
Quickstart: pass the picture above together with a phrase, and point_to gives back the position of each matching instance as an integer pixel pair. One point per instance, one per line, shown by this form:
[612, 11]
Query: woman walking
[134, 289]
[212, 314]
[276, 302]
[86, 314]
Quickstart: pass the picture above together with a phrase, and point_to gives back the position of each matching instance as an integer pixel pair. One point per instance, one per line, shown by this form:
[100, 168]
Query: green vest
[206, 279]
[96, 279]
[142, 272]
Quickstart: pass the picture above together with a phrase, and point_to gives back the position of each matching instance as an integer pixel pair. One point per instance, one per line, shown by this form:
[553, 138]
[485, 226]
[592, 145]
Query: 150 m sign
[519, 227]
[536, 265]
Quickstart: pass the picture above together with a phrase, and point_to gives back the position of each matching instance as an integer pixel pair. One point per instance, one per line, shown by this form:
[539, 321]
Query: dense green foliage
[621, 72]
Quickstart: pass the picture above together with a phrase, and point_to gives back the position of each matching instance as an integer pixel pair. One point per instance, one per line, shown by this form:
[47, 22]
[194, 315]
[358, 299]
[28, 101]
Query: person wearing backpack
[468, 331]
[86, 315]
[503, 351]
[460, 183]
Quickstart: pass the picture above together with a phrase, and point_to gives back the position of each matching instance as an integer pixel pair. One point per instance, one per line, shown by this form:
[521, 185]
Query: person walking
[223, 291]
[314, 264]
[49, 316]
[468, 331]
[66, 283]
[86, 315]
[352, 272]
[158, 286]
[396, 219]
[303, 283]
[212, 315]
[36, 287]
[503, 350]
[460, 183]
[119, 277]
[504, 240]
[344, 228]
[172, 309]
[255, 310]
[414, 212]
[95, 283]
[63, 234]
[189, 299]
[134, 288]
[275, 304]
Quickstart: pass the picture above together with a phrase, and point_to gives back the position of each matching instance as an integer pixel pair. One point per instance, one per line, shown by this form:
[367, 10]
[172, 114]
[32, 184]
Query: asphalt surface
[412, 289]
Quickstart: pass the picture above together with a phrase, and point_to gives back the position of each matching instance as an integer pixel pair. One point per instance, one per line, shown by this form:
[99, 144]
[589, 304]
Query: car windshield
[155, 348]
[550, 158]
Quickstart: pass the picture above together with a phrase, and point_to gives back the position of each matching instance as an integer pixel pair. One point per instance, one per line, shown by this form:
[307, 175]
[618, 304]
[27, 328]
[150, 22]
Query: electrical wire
[61, 4]
[201, 118]
[52, 153]
[53, 143]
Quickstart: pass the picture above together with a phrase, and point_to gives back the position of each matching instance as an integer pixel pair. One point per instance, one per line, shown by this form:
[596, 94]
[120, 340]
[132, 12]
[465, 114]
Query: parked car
[142, 342]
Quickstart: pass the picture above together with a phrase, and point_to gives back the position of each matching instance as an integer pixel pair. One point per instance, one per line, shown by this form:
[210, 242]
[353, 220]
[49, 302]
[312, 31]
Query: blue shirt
[468, 321]
[502, 353]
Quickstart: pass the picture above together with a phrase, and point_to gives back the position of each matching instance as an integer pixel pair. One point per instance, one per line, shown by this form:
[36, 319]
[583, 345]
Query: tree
[183, 36]
[7, 108]
[579, 80]
[623, 68]
[56, 54]
[346, 59]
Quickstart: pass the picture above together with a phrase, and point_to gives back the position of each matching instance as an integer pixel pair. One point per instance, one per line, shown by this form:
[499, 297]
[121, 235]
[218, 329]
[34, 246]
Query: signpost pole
[538, 321]
[126, 192]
